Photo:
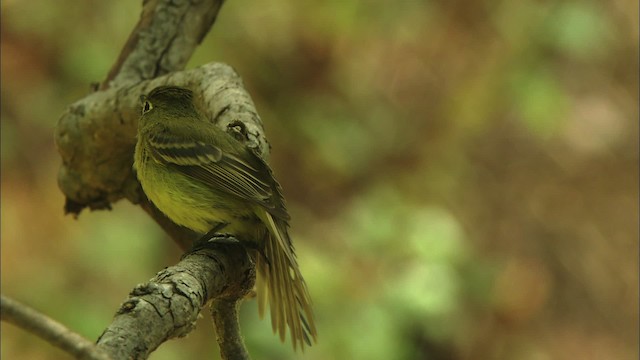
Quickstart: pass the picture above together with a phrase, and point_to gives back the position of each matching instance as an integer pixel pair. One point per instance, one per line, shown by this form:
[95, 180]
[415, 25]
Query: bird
[203, 178]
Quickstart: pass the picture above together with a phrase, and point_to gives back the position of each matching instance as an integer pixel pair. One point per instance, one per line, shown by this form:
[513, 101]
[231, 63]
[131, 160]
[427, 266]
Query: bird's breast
[191, 203]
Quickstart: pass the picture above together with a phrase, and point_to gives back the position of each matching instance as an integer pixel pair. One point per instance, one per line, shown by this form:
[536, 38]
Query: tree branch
[168, 305]
[99, 129]
[225, 318]
[96, 137]
[50, 330]
[163, 41]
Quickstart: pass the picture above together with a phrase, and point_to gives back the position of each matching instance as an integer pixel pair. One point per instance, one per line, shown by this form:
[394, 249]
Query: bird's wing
[243, 175]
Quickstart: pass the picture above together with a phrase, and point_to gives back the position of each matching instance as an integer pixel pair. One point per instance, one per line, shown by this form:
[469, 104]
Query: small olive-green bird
[201, 177]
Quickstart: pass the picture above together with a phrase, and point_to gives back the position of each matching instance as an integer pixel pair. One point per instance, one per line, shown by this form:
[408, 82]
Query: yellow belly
[193, 204]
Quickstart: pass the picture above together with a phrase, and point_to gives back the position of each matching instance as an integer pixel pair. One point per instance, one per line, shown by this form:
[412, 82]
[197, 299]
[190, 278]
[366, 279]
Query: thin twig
[48, 329]
[225, 320]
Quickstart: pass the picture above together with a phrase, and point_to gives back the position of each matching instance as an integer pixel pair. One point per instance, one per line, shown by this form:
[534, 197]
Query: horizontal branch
[168, 305]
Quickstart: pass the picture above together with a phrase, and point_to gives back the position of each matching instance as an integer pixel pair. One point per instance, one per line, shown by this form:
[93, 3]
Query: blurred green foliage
[462, 176]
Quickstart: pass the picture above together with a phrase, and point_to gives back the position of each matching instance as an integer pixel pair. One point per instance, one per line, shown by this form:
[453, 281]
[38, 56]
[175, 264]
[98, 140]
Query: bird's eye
[146, 107]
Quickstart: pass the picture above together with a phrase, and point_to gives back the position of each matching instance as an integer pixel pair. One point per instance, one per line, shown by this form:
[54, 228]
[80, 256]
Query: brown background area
[462, 176]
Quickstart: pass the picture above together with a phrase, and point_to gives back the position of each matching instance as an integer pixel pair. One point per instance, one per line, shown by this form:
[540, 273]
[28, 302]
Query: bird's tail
[280, 284]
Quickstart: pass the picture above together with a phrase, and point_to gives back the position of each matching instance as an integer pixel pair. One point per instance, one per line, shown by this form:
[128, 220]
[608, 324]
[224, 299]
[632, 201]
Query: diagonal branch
[168, 305]
[163, 41]
[50, 330]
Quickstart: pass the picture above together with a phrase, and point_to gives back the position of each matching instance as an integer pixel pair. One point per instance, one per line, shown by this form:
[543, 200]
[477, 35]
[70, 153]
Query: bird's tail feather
[280, 284]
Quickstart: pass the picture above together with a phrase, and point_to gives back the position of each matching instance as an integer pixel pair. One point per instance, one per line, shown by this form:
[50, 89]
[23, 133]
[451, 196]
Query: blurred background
[462, 176]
